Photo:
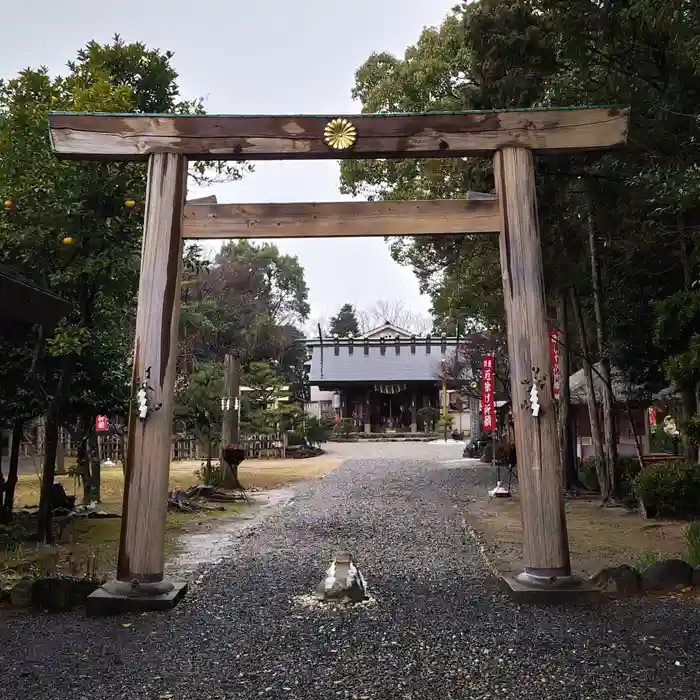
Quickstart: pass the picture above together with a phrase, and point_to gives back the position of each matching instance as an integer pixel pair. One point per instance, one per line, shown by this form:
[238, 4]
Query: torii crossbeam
[168, 141]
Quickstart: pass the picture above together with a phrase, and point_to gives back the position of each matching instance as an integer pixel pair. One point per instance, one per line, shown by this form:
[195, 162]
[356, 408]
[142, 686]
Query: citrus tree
[75, 227]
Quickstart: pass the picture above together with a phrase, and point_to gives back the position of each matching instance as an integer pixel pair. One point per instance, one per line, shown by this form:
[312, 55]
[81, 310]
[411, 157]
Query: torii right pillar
[547, 572]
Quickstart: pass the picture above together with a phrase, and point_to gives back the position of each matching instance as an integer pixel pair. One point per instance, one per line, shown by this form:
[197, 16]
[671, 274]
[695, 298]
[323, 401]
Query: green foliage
[283, 417]
[344, 428]
[281, 277]
[643, 199]
[691, 428]
[692, 539]
[198, 403]
[84, 202]
[345, 322]
[474, 60]
[430, 415]
[646, 559]
[317, 430]
[670, 490]
[445, 423]
[247, 301]
[264, 406]
[423, 81]
[677, 319]
[588, 475]
[627, 470]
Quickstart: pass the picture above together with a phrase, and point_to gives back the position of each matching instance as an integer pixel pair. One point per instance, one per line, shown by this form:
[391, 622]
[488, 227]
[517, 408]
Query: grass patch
[598, 537]
[91, 546]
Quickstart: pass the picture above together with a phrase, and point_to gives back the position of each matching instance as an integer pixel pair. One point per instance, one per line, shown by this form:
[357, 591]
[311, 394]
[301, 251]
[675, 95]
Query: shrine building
[385, 380]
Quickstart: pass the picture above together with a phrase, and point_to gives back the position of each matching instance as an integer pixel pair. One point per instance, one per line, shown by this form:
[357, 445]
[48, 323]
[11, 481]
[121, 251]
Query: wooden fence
[184, 447]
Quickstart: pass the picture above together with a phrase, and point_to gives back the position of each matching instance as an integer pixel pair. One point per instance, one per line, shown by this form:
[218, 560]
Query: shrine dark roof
[374, 361]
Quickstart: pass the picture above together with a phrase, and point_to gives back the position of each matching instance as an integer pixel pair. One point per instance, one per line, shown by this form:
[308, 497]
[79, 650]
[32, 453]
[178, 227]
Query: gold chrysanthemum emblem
[340, 134]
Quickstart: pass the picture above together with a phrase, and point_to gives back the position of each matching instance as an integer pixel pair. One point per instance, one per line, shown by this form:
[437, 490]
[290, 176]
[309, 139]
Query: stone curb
[482, 548]
[663, 576]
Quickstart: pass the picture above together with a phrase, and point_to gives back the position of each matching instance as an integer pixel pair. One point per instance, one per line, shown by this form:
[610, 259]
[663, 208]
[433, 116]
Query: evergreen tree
[345, 322]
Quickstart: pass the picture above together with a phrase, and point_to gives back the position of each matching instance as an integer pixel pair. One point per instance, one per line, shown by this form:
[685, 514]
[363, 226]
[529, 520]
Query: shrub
[445, 423]
[430, 416]
[346, 427]
[669, 489]
[646, 559]
[627, 470]
[587, 474]
[317, 430]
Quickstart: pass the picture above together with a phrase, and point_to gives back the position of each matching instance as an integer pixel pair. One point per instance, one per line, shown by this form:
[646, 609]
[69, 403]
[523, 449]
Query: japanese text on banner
[488, 408]
[554, 354]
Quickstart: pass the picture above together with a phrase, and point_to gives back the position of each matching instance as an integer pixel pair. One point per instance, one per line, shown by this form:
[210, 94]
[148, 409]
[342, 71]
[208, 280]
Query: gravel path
[439, 628]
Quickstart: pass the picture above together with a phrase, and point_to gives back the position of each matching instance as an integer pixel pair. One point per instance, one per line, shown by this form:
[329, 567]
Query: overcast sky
[265, 56]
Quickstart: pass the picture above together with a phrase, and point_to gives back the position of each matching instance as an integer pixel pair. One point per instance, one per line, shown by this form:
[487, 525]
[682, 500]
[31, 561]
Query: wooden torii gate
[167, 142]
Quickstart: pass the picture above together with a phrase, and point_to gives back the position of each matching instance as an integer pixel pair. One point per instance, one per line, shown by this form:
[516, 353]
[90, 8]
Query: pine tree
[345, 322]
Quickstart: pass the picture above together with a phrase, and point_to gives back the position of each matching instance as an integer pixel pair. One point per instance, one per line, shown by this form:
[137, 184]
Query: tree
[101, 385]
[345, 322]
[76, 227]
[265, 408]
[676, 331]
[45, 234]
[19, 357]
[644, 198]
[281, 277]
[198, 406]
[247, 300]
[292, 363]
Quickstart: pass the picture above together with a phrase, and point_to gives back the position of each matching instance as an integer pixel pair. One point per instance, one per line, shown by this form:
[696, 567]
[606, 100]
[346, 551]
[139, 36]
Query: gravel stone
[436, 625]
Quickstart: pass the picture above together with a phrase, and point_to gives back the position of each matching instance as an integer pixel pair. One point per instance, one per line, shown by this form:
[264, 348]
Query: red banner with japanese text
[651, 412]
[101, 424]
[488, 405]
[554, 354]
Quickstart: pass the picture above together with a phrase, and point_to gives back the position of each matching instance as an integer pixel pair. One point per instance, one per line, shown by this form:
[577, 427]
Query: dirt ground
[254, 474]
[598, 537]
[91, 546]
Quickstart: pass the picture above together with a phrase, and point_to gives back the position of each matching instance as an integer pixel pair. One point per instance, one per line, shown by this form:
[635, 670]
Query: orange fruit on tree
[68, 240]
[7, 204]
[130, 204]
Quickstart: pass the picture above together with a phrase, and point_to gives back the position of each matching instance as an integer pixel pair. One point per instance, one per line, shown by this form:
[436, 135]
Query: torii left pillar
[140, 584]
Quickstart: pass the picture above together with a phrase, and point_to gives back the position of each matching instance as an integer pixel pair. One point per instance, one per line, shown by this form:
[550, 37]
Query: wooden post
[368, 411]
[414, 411]
[61, 454]
[545, 542]
[646, 441]
[229, 418]
[474, 417]
[141, 548]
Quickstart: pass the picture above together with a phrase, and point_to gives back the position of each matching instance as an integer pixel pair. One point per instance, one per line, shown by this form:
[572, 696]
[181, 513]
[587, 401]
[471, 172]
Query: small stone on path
[343, 581]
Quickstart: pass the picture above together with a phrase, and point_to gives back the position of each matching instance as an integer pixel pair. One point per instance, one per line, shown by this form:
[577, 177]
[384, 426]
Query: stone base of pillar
[537, 590]
[414, 427]
[368, 427]
[119, 598]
